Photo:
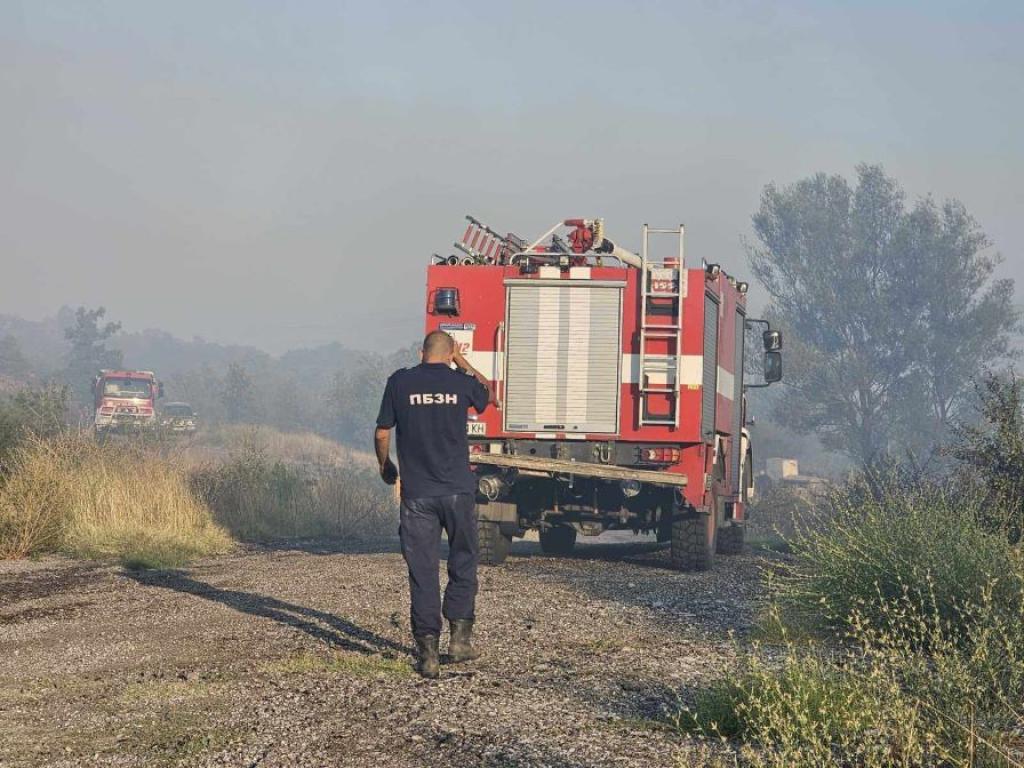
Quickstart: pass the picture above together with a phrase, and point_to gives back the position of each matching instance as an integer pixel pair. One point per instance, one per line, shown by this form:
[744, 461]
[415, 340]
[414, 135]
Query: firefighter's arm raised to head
[460, 361]
[382, 447]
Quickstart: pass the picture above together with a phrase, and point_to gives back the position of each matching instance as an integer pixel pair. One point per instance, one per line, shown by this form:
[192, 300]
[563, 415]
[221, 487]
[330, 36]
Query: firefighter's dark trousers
[420, 531]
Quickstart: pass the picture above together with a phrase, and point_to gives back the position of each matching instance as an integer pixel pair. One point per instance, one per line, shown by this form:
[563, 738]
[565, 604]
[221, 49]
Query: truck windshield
[178, 411]
[126, 388]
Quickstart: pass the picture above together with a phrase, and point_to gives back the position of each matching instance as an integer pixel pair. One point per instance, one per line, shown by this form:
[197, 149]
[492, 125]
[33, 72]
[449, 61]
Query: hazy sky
[279, 173]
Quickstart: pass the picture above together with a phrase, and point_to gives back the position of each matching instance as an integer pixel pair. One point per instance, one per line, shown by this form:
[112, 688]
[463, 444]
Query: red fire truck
[125, 400]
[619, 387]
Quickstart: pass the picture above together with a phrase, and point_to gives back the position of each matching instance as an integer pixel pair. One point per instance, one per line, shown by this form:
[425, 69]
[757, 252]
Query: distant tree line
[342, 407]
[330, 390]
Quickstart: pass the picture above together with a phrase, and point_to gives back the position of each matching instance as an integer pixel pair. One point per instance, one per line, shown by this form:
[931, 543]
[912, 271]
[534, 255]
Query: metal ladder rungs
[658, 362]
[664, 367]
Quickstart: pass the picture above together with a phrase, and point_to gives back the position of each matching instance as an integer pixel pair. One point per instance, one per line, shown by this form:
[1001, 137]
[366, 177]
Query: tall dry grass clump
[229, 441]
[69, 494]
[258, 497]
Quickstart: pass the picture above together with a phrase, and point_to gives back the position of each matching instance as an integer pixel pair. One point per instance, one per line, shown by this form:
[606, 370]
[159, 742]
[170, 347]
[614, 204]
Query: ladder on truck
[662, 290]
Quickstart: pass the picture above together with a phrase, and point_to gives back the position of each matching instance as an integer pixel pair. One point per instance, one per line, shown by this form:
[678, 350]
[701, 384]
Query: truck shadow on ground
[323, 626]
[645, 553]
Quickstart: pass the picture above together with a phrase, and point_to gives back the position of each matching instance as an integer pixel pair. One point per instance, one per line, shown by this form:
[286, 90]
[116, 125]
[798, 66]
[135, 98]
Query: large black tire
[730, 539]
[558, 540]
[693, 542]
[494, 545]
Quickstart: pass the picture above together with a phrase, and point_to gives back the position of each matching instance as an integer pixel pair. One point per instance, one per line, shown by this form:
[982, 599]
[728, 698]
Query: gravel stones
[302, 657]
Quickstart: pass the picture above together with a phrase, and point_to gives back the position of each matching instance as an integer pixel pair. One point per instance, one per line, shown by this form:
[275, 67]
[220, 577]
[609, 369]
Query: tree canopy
[890, 310]
[89, 352]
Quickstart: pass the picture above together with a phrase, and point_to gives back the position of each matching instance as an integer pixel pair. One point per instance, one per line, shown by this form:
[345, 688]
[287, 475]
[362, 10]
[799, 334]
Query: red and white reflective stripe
[691, 369]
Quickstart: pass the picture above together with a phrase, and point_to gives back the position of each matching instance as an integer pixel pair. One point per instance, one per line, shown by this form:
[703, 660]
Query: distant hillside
[160, 351]
[41, 342]
[319, 365]
[43, 345]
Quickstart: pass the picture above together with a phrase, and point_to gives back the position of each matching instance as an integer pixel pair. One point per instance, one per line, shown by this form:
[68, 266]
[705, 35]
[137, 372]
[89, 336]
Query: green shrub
[40, 411]
[925, 662]
[991, 453]
[258, 498]
[894, 541]
[878, 699]
[809, 709]
[777, 512]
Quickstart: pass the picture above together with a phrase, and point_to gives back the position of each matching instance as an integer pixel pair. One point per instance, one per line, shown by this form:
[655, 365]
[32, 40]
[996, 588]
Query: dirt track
[300, 657]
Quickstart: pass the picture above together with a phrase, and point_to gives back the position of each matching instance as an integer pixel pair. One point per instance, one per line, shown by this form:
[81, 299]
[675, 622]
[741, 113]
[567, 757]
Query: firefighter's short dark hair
[438, 344]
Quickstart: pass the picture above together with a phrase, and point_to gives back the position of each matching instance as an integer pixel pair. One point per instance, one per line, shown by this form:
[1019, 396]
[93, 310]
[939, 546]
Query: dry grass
[258, 497]
[220, 443]
[337, 662]
[72, 495]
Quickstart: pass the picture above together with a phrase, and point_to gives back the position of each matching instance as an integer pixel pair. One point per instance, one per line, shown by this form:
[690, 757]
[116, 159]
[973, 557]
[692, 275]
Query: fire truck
[618, 380]
[125, 401]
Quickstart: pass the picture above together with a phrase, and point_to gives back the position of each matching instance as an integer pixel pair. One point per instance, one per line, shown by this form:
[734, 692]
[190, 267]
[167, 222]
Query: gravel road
[300, 656]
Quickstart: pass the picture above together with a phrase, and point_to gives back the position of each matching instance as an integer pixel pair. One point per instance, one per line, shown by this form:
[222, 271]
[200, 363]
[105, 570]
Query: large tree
[89, 352]
[889, 310]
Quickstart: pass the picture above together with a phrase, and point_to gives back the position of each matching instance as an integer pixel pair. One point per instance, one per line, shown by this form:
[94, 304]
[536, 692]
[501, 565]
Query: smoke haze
[279, 174]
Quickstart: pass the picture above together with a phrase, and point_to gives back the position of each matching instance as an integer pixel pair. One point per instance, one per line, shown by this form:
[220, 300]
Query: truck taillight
[661, 455]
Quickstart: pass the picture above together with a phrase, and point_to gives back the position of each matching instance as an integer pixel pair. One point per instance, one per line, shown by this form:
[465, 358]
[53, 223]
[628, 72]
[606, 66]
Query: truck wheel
[493, 544]
[558, 540]
[693, 542]
[730, 539]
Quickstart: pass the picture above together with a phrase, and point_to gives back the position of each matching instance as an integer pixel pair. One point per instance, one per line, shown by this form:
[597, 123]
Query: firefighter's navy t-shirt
[428, 406]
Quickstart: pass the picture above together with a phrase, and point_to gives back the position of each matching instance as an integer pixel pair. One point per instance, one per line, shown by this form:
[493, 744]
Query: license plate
[476, 428]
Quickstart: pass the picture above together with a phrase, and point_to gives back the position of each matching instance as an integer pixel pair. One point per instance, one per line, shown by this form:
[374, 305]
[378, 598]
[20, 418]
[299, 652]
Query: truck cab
[125, 400]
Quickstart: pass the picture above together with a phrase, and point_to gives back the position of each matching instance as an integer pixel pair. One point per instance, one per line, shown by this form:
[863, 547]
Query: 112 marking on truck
[619, 386]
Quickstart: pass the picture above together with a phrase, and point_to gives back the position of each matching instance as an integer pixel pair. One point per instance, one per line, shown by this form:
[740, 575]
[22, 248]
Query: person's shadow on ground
[323, 626]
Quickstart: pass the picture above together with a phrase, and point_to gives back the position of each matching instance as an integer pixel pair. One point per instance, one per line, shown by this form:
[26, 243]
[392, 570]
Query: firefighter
[427, 404]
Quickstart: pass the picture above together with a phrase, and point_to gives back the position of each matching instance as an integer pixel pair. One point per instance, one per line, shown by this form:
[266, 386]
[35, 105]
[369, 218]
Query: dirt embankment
[300, 657]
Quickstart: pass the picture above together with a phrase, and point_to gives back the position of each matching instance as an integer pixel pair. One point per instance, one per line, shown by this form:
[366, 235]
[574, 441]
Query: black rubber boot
[460, 646]
[428, 662]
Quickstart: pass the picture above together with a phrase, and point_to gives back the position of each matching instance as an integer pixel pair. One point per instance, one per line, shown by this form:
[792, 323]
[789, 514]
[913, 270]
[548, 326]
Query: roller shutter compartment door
[562, 358]
[710, 381]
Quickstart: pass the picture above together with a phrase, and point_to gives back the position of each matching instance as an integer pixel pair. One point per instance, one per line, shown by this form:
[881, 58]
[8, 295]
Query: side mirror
[772, 340]
[772, 366]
